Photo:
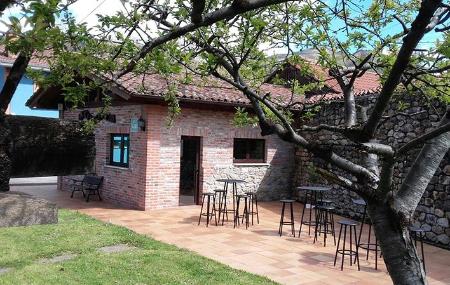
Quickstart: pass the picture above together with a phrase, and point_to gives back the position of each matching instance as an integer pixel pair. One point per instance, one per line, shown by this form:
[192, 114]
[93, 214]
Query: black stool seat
[351, 225]
[347, 222]
[287, 201]
[290, 202]
[326, 207]
[326, 201]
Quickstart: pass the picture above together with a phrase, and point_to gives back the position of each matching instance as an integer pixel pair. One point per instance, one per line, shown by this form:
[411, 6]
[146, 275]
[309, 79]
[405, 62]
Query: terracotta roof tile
[205, 90]
[212, 90]
[369, 83]
[37, 61]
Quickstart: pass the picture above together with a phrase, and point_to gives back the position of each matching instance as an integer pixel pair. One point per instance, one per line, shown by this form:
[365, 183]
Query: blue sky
[22, 94]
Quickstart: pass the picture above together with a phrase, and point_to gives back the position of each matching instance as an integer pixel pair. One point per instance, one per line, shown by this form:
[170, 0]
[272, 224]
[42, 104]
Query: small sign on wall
[134, 126]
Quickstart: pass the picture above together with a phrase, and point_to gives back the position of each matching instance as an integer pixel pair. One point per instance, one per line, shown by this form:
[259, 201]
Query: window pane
[240, 149]
[249, 150]
[126, 144]
[256, 149]
[116, 149]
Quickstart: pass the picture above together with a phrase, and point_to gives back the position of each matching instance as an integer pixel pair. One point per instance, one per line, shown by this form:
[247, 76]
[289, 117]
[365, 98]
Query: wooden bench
[89, 186]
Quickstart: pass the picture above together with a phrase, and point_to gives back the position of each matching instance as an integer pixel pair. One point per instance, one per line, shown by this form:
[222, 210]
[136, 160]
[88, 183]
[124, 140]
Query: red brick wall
[122, 186]
[271, 180]
[152, 180]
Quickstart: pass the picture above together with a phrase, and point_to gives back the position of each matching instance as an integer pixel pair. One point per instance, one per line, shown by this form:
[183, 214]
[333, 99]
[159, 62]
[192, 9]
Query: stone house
[158, 166]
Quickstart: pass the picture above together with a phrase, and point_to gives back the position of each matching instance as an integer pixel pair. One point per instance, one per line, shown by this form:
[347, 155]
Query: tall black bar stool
[210, 208]
[245, 213]
[253, 205]
[418, 234]
[313, 197]
[282, 221]
[309, 201]
[351, 225]
[324, 223]
[221, 199]
[369, 245]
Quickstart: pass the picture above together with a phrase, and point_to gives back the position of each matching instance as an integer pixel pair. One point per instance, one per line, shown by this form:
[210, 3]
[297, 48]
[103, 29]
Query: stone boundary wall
[433, 212]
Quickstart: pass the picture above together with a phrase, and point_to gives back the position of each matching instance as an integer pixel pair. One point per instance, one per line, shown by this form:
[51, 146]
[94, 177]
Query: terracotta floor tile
[258, 249]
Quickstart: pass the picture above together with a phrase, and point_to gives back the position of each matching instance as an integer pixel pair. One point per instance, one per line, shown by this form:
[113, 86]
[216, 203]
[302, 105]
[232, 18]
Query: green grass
[152, 262]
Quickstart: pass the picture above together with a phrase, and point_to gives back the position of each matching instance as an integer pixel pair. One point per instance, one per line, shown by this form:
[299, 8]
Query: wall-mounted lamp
[141, 124]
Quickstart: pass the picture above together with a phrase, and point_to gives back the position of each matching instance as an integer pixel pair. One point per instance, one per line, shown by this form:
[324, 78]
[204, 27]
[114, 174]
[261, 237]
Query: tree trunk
[43, 146]
[349, 107]
[398, 248]
[5, 162]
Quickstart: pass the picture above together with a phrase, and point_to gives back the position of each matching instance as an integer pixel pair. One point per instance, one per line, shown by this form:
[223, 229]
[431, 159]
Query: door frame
[198, 172]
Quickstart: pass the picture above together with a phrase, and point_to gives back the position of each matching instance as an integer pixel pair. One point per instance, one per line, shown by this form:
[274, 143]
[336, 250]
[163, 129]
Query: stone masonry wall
[152, 180]
[433, 212]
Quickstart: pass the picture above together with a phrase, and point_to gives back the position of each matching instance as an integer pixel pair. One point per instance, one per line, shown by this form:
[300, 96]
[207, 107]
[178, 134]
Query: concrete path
[28, 181]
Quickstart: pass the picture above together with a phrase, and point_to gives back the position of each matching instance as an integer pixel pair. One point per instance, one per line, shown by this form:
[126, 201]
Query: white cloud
[83, 11]
[87, 10]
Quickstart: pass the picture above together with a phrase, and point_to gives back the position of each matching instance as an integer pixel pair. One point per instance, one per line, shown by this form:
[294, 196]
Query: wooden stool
[350, 252]
[210, 212]
[291, 222]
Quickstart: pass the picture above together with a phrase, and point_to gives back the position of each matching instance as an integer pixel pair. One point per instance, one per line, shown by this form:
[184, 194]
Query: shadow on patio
[259, 249]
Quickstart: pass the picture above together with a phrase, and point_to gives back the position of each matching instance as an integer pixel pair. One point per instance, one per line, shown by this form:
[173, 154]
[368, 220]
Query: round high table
[234, 183]
[311, 195]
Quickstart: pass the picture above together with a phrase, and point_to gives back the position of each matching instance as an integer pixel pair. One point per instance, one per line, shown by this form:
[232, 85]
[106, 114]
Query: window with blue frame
[120, 150]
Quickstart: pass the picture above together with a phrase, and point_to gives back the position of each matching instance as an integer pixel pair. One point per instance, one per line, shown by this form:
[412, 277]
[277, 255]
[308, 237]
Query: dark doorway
[189, 170]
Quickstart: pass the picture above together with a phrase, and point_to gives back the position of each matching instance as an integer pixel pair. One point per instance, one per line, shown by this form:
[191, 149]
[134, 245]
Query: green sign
[134, 127]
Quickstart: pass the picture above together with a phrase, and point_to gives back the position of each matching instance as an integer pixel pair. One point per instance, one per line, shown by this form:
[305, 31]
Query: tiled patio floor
[259, 249]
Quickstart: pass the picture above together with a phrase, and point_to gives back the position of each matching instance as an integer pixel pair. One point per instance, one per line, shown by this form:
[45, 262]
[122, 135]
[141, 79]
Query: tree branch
[198, 6]
[423, 138]
[12, 81]
[5, 4]
[418, 29]
[416, 181]
[236, 8]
